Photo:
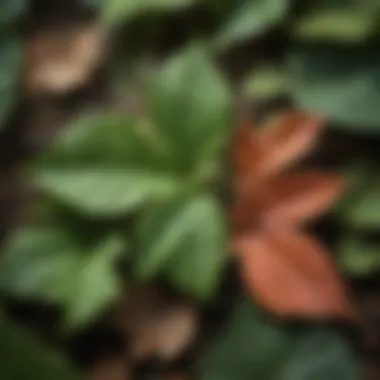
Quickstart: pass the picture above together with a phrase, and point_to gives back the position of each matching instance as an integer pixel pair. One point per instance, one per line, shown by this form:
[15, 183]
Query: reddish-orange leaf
[298, 197]
[245, 155]
[288, 141]
[291, 275]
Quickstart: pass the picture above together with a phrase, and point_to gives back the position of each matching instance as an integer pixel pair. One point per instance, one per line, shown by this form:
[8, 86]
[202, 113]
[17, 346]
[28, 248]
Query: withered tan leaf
[288, 140]
[60, 60]
[157, 326]
[294, 198]
[291, 275]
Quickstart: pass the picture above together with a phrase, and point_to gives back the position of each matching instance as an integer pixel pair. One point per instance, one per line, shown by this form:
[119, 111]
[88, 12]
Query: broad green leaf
[340, 84]
[190, 103]
[359, 257]
[117, 11]
[320, 353]
[22, 356]
[364, 210]
[341, 24]
[45, 263]
[10, 71]
[250, 347]
[254, 346]
[186, 239]
[250, 19]
[105, 165]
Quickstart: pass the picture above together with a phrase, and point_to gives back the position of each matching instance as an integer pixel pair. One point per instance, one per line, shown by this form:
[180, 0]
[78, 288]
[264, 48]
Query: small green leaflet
[363, 212]
[359, 257]
[250, 19]
[22, 357]
[185, 239]
[105, 165]
[254, 346]
[46, 263]
[190, 104]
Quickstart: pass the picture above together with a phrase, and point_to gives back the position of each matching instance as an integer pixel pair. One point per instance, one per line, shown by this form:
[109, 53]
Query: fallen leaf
[299, 197]
[157, 326]
[290, 274]
[290, 138]
[111, 369]
[62, 60]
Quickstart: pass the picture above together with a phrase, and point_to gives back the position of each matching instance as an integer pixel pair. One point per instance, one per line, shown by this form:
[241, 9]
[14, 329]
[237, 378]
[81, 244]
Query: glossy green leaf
[105, 165]
[186, 239]
[10, 71]
[190, 103]
[340, 84]
[46, 263]
[250, 19]
[118, 11]
[22, 356]
[359, 257]
[254, 346]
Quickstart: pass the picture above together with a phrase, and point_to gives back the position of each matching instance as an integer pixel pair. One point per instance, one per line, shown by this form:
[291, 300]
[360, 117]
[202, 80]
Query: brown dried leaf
[299, 197]
[287, 141]
[62, 60]
[157, 326]
[291, 275]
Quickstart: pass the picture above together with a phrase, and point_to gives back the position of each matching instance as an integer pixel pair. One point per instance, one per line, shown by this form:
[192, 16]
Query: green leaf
[320, 353]
[116, 11]
[364, 211]
[190, 103]
[10, 71]
[340, 84]
[12, 10]
[250, 347]
[250, 19]
[22, 356]
[346, 24]
[254, 346]
[265, 82]
[47, 264]
[185, 238]
[105, 165]
[359, 257]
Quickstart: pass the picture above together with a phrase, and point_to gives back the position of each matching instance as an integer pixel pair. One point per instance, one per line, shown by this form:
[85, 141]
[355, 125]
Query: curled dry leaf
[156, 326]
[62, 60]
[292, 275]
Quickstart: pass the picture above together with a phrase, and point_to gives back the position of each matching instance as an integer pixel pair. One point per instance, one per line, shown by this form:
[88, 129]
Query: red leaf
[292, 276]
[299, 197]
[288, 141]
